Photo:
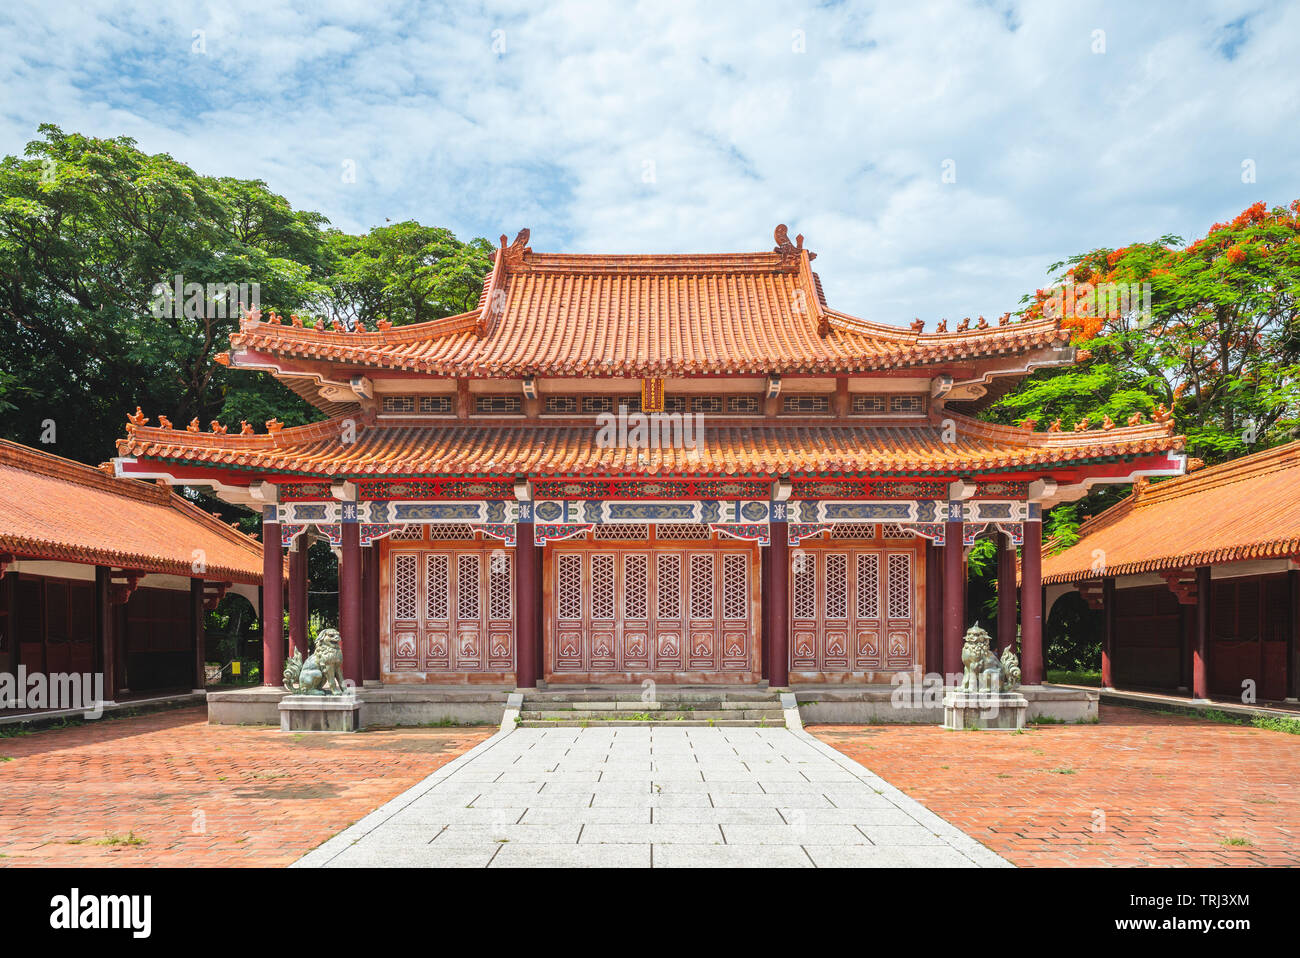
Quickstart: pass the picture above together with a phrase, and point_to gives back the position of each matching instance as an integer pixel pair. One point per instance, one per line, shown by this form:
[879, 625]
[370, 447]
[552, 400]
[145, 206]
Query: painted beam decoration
[745, 519]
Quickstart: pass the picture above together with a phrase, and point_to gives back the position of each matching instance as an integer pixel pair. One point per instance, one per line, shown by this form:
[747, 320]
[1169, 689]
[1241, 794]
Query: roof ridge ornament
[788, 251]
[514, 253]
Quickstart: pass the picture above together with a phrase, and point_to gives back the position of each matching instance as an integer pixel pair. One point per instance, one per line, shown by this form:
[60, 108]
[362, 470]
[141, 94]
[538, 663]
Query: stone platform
[1003, 711]
[415, 705]
[320, 713]
[886, 705]
[378, 707]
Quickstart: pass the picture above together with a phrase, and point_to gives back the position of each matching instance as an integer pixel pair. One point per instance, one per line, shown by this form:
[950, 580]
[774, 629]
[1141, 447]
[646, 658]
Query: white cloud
[1057, 149]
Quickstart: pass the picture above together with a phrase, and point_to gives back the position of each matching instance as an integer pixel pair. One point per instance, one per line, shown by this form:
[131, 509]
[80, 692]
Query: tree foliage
[90, 228]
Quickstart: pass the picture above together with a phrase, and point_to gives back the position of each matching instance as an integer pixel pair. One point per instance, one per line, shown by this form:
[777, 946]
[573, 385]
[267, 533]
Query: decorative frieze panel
[652, 489]
[904, 512]
[606, 511]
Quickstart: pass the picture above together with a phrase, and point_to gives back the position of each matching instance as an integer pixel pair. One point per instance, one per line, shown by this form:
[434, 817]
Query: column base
[1199, 701]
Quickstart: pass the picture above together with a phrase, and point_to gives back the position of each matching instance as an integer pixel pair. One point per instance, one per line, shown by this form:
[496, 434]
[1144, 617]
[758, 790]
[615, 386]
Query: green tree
[91, 231]
[406, 273]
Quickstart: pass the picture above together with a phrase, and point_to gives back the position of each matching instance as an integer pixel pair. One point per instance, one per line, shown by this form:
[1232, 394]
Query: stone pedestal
[320, 713]
[1004, 711]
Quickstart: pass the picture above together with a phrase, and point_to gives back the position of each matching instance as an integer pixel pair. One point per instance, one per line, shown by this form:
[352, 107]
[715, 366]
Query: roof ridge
[60, 468]
[323, 429]
[1224, 473]
[69, 470]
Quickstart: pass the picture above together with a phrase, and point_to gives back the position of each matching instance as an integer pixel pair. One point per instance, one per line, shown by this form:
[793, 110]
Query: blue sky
[676, 127]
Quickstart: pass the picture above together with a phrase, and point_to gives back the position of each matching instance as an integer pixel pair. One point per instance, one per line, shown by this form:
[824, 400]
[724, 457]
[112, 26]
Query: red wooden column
[1201, 647]
[526, 581]
[1107, 631]
[1006, 592]
[105, 644]
[298, 607]
[350, 618]
[198, 634]
[370, 613]
[933, 607]
[1031, 599]
[778, 665]
[765, 607]
[1293, 643]
[954, 591]
[272, 599]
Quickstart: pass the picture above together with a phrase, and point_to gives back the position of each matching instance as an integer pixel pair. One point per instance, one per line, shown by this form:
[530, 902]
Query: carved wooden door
[639, 610]
[852, 608]
[452, 610]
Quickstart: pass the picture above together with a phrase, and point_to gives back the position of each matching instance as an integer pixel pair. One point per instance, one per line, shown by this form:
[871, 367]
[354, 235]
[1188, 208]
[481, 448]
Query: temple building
[105, 575]
[1198, 582]
[685, 468]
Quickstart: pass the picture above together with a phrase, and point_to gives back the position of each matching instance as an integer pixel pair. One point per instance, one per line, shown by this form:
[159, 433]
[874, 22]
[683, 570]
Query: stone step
[620, 723]
[662, 694]
[675, 716]
[657, 706]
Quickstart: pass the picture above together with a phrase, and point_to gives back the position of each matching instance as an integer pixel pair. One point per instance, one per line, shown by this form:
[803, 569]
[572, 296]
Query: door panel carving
[452, 610]
[853, 607]
[621, 610]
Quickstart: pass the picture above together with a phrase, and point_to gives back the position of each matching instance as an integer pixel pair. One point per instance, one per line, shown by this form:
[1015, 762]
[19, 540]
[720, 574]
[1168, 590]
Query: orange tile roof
[1244, 509]
[730, 447]
[587, 315]
[54, 508]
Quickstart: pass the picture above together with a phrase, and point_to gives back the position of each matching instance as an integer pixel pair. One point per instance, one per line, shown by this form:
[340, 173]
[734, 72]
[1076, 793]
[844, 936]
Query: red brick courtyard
[170, 790]
[1138, 789]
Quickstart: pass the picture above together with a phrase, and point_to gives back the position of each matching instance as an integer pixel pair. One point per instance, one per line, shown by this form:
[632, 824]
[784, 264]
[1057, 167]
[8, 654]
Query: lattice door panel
[636, 610]
[452, 610]
[852, 609]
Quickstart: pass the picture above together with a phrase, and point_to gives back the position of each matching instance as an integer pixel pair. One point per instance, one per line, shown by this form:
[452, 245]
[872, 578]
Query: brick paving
[199, 794]
[1137, 789]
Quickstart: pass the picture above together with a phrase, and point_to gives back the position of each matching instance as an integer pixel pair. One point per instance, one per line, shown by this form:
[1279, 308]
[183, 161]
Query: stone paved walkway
[658, 797]
[1138, 789]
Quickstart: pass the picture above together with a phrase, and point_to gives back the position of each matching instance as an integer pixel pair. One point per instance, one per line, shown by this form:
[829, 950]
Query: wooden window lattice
[451, 530]
[435, 405]
[602, 587]
[467, 585]
[837, 586]
[900, 586]
[640, 531]
[701, 586]
[569, 587]
[868, 574]
[397, 404]
[806, 404]
[561, 404]
[497, 405]
[805, 585]
[500, 581]
[853, 530]
[683, 530]
[668, 603]
[636, 586]
[907, 405]
[436, 572]
[735, 586]
[405, 588]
